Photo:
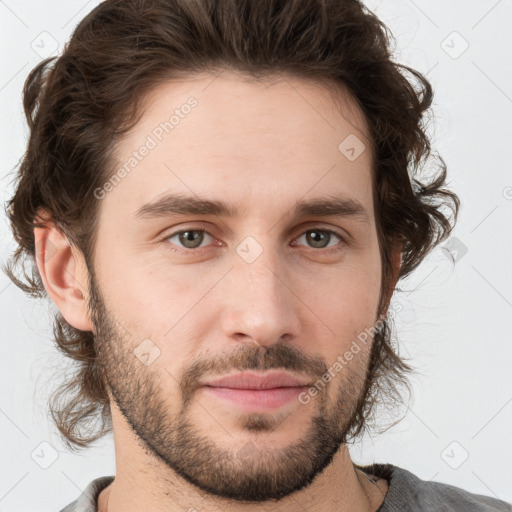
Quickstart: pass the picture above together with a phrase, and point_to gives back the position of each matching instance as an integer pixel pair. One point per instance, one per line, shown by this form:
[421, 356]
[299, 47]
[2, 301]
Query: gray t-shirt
[406, 493]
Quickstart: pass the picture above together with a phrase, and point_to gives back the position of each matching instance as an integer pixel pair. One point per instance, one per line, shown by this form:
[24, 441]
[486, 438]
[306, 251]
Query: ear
[64, 273]
[396, 263]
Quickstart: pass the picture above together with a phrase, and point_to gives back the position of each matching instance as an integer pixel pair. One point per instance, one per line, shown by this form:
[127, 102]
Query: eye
[189, 238]
[320, 238]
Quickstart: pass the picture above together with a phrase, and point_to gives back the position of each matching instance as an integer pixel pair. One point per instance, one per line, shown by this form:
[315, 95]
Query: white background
[455, 319]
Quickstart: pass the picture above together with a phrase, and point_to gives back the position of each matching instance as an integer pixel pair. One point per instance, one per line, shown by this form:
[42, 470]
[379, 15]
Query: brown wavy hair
[80, 104]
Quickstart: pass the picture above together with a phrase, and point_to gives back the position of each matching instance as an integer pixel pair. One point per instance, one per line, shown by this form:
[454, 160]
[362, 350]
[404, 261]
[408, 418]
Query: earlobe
[64, 274]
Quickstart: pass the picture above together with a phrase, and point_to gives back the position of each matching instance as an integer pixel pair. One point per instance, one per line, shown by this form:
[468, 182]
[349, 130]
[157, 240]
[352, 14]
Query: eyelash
[200, 230]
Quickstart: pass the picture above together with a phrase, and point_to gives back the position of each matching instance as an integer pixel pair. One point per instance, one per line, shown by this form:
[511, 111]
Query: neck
[360, 492]
[103, 499]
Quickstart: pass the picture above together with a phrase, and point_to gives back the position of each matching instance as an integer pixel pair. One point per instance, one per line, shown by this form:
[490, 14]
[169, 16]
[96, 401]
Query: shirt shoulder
[407, 493]
[86, 502]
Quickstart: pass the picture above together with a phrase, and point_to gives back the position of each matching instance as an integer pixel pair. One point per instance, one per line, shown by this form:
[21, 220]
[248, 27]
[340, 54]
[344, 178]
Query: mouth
[257, 392]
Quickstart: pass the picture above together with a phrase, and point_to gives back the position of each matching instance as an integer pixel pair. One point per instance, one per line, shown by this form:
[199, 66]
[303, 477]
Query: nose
[261, 306]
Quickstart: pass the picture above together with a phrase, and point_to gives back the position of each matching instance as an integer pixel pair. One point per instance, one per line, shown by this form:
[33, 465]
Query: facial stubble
[246, 473]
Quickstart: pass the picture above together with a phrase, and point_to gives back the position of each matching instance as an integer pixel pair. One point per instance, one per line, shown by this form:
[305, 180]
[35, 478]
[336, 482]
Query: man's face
[264, 291]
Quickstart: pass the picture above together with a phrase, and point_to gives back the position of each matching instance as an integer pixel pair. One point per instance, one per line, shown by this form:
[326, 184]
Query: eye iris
[313, 236]
[196, 240]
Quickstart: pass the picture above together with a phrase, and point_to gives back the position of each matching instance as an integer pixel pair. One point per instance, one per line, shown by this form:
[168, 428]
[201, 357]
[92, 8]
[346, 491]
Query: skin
[208, 311]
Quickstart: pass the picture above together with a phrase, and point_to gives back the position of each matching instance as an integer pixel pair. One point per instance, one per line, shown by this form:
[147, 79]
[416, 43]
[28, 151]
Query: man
[219, 199]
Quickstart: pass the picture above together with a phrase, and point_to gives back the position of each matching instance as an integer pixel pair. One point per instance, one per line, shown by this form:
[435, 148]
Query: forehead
[228, 135]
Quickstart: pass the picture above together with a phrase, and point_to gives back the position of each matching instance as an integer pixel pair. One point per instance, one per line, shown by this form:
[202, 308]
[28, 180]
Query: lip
[252, 400]
[254, 392]
[259, 381]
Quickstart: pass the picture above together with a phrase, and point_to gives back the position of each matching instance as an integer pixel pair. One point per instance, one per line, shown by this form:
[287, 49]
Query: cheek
[344, 301]
[136, 301]
[352, 286]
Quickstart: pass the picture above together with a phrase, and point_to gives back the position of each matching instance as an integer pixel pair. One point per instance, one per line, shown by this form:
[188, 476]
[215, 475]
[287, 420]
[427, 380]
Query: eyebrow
[178, 204]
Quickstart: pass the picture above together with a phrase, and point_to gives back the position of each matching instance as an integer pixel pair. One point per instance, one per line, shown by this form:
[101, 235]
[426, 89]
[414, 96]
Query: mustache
[280, 356]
